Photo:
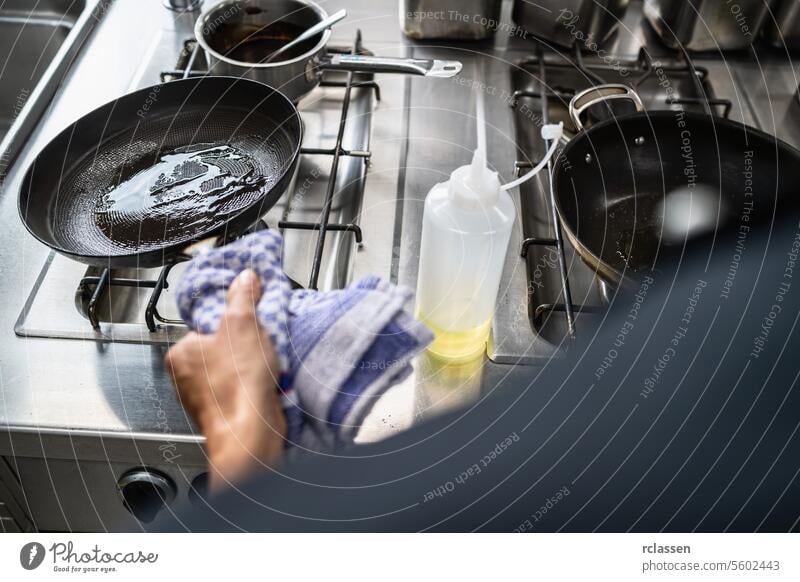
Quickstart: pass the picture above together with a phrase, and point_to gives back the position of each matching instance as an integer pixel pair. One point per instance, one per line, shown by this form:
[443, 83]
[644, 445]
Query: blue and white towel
[338, 350]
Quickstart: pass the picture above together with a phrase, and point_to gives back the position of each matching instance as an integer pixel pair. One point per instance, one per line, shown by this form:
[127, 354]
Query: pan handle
[196, 248]
[369, 64]
[203, 245]
[600, 94]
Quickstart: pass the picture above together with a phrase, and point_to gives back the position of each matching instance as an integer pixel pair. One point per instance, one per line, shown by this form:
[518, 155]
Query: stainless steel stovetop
[87, 411]
[531, 324]
[416, 135]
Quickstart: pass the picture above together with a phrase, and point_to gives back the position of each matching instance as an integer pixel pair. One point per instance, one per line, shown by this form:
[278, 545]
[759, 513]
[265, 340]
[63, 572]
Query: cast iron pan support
[558, 241]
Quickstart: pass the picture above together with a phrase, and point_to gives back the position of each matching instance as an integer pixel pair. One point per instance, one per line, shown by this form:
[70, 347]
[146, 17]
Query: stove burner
[93, 286]
[677, 85]
[123, 304]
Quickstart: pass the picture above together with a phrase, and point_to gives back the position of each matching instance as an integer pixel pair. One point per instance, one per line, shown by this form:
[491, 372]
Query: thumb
[244, 293]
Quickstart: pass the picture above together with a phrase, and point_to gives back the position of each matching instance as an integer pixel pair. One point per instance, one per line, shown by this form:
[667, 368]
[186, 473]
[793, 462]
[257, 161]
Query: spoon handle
[310, 33]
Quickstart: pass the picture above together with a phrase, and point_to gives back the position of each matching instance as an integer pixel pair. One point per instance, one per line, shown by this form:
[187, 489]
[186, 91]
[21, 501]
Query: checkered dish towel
[338, 350]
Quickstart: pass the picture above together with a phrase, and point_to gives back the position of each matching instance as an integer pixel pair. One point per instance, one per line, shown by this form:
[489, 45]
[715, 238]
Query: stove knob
[145, 492]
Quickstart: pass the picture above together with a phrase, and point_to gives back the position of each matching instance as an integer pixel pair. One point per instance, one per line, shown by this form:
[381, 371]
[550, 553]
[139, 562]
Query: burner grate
[644, 70]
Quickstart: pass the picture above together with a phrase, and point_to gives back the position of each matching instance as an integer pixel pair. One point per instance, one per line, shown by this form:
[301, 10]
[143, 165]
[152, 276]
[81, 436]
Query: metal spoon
[311, 32]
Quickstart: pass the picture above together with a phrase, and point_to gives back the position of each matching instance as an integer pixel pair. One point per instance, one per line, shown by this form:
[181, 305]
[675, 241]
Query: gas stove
[321, 216]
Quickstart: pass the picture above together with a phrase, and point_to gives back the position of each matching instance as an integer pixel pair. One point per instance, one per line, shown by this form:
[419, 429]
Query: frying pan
[137, 181]
[613, 182]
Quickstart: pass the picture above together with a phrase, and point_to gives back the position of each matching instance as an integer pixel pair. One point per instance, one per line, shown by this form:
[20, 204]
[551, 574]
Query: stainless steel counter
[74, 392]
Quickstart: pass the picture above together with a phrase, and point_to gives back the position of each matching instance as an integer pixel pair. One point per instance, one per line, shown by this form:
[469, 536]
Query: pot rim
[204, 18]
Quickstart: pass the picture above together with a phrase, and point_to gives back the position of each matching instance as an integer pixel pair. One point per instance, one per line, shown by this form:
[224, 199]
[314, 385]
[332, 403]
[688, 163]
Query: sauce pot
[237, 35]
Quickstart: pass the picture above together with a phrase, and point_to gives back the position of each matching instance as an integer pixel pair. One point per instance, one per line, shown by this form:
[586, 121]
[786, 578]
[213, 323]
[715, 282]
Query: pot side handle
[600, 94]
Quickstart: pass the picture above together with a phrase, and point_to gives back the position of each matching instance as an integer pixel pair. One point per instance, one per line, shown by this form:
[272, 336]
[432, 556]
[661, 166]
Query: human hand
[227, 382]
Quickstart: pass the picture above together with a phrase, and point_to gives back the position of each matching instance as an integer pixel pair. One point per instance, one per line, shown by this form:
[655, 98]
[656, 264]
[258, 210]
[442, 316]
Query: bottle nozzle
[476, 183]
[477, 169]
[551, 133]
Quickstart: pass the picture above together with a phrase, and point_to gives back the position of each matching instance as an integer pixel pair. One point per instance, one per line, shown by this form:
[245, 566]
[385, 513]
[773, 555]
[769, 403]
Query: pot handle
[369, 64]
[600, 94]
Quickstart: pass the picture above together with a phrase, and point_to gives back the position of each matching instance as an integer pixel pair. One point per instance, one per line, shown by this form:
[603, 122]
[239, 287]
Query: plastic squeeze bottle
[465, 233]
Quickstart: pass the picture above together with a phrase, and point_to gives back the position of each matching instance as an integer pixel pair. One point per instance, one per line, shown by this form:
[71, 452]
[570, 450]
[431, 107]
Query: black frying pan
[614, 182]
[138, 180]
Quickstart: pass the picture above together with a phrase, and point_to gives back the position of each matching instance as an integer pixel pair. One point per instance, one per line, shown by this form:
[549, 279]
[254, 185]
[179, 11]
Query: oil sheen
[188, 190]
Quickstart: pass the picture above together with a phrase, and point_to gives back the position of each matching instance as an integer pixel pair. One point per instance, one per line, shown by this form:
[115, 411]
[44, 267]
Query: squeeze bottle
[466, 228]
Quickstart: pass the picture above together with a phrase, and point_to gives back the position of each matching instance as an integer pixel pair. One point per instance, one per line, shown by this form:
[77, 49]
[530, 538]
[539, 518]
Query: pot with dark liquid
[239, 35]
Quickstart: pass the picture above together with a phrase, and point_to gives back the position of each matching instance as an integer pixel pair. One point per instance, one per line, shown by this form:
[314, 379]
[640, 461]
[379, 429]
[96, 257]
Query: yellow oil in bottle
[458, 346]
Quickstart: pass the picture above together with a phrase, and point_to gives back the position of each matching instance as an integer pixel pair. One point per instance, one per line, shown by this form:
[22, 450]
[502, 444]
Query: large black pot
[627, 185]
